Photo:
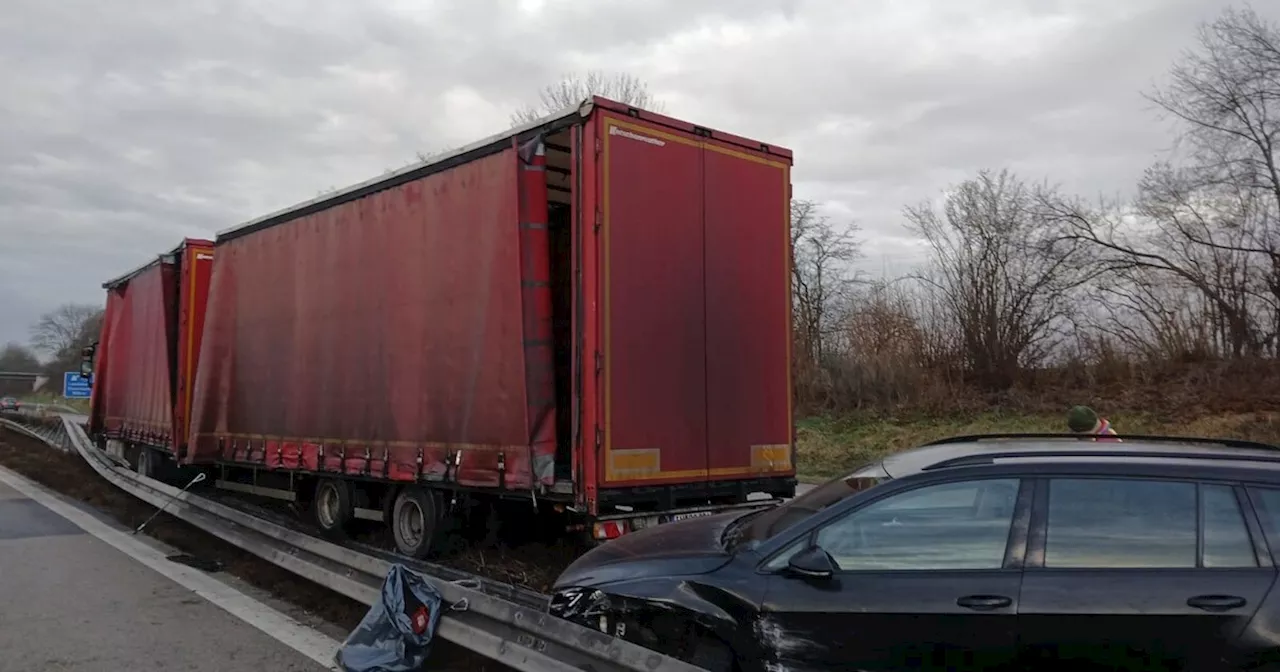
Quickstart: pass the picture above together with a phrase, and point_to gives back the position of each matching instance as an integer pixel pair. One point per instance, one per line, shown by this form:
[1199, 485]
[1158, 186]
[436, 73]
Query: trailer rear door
[694, 309]
[746, 218]
[652, 313]
[193, 288]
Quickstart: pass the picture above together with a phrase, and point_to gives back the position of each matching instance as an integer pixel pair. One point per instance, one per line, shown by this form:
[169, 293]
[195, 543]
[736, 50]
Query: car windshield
[767, 524]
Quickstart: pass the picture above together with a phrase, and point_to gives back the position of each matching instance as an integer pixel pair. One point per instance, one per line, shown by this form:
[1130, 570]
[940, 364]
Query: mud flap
[395, 636]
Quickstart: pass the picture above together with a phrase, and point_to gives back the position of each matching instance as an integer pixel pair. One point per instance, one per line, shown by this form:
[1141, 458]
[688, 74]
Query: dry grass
[827, 447]
[78, 405]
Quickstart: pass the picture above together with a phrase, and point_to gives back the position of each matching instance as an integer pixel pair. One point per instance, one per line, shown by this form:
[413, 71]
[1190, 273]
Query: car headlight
[587, 606]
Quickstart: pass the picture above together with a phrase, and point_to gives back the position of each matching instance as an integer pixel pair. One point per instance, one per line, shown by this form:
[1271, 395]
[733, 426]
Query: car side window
[962, 525]
[1115, 523]
[1226, 536]
[1266, 502]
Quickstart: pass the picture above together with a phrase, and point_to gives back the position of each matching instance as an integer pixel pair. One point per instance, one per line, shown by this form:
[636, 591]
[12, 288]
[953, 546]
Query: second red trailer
[147, 353]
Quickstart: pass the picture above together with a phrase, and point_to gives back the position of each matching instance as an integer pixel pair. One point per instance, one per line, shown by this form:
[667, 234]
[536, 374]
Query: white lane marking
[301, 638]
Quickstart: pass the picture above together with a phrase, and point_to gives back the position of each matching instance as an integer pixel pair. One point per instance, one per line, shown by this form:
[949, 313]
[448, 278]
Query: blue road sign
[75, 386]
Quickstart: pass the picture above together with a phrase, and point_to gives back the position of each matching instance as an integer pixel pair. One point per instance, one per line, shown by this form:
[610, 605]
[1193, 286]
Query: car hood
[683, 548]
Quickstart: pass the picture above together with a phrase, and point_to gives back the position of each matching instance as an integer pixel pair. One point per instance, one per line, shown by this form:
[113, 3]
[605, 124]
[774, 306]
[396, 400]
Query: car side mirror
[812, 563]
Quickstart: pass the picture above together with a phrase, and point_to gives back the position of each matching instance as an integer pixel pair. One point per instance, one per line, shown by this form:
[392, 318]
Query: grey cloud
[125, 127]
[1063, 103]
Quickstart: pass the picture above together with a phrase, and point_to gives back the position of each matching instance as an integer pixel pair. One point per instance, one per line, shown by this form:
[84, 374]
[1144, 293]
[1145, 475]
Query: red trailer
[589, 313]
[147, 352]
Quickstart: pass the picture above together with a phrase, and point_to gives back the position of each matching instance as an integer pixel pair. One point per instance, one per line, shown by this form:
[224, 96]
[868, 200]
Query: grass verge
[77, 405]
[829, 447]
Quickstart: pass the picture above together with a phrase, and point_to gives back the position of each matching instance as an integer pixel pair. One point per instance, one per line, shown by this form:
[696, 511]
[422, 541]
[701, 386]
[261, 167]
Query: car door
[926, 578]
[1161, 574]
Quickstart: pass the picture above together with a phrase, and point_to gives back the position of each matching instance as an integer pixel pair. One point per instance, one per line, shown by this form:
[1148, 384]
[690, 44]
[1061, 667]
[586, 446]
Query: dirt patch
[515, 547]
[526, 560]
[535, 565]
[70, 476]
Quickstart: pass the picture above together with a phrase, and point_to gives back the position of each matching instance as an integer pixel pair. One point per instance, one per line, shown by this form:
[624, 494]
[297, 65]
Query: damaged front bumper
[590, 607]
[651, 625]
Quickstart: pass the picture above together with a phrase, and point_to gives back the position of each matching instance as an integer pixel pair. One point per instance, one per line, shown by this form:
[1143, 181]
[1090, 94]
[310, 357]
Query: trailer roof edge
[465, 154]
[160, 258]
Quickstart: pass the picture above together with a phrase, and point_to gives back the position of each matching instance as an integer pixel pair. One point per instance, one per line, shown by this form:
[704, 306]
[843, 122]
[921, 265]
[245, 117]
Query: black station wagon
[986, 552]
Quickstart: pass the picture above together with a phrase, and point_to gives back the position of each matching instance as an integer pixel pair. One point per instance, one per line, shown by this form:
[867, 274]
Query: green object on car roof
[1081, 419]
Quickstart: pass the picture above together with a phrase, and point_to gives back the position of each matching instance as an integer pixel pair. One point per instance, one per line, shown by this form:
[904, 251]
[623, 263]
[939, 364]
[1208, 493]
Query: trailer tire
[415, 522]
[145, 463]
[331, 507]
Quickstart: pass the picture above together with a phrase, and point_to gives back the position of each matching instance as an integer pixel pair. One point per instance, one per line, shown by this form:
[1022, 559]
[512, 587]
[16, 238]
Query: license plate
[676, 517]
[644, 522]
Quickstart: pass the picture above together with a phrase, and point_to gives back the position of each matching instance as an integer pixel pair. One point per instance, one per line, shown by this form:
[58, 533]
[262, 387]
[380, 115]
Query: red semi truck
[147, 352]
[589, 313]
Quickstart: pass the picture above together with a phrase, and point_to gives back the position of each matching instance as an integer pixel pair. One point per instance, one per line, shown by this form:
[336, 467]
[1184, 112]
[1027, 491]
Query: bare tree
[1004, 276]
[573, 88]
[1153, 315]
[821, 277]
[18, 358]
[68, 327]
[1208, 224]
[884, 349]
[1226, 95]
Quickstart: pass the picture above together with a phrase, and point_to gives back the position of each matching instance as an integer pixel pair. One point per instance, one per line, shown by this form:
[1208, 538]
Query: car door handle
[984, 602]
[1216, 602]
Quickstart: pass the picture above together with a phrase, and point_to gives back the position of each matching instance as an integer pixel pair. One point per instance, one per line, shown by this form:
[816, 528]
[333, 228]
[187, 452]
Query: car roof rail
[1153, 438]
[1112, 449]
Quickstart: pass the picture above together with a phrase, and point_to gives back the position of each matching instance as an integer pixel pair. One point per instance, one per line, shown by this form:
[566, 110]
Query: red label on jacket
[420, 619]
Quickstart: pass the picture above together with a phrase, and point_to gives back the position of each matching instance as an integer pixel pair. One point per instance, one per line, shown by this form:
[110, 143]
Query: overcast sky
[125, 126]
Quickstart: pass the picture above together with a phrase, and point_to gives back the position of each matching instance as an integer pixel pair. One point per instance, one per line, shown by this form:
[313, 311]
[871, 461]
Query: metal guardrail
[52, 434]
[525, 639]
[39, 434]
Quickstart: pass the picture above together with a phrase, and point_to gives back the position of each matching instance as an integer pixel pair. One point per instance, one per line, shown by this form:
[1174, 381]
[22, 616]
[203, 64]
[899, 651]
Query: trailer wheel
[145, 464]
[331, 506]
[415, 522]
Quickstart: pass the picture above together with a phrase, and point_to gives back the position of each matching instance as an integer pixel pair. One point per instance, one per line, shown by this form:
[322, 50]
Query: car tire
[331, 507]
[415, 522]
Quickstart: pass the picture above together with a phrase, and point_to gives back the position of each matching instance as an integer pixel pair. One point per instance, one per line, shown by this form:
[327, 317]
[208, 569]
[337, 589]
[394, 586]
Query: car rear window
[1122, 523]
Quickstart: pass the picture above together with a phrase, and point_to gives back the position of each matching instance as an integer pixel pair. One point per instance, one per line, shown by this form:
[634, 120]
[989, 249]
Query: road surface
[79, 594]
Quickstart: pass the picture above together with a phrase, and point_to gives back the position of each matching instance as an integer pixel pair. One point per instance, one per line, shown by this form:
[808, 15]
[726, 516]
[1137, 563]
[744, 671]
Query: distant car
[9, 404]
[978, 553]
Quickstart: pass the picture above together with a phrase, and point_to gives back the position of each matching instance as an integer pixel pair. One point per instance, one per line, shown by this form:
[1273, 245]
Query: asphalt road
[81, 599]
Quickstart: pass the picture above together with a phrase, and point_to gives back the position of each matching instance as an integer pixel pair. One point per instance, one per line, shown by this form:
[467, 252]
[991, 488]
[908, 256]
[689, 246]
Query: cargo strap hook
[199, 477]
